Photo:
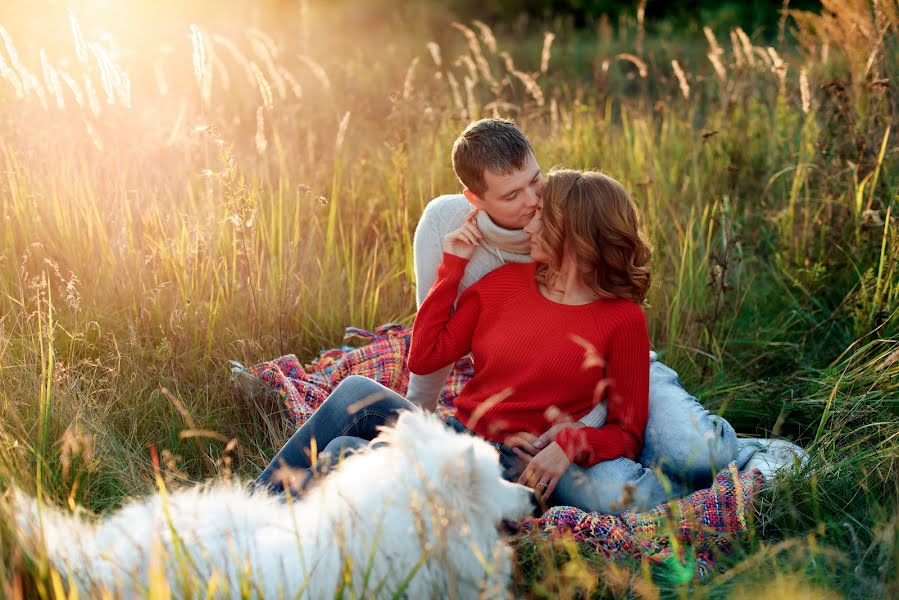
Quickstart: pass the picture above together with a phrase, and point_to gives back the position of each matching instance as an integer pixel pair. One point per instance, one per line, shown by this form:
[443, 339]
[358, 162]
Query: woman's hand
[463, 241]
[544, 470]
[552, 432]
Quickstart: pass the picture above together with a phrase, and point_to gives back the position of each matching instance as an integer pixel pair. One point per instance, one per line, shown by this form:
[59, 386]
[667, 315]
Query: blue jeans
[680, 435]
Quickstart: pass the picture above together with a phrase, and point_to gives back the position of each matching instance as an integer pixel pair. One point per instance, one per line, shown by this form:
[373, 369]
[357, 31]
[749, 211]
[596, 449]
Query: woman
[549, 340]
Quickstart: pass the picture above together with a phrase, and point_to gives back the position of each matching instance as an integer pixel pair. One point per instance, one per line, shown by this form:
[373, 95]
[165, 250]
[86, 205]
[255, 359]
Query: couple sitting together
[542, 281]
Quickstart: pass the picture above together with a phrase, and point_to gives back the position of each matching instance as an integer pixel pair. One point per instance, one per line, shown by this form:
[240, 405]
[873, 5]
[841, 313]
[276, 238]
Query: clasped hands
[546, 460]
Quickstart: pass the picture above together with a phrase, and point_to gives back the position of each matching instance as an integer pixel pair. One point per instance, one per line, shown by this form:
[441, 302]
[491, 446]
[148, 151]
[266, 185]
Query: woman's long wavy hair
[594, 217]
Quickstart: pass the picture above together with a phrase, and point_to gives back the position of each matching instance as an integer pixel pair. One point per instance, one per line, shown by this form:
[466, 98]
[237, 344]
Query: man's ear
[473, 199]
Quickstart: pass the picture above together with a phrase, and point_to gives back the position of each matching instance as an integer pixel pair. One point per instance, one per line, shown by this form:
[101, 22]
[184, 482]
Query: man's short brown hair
[495, 144]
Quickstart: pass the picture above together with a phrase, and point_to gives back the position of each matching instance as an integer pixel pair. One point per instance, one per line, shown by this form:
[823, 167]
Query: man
[500, 176]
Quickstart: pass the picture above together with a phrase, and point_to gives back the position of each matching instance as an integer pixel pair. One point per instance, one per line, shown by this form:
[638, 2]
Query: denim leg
[613, 487]
[356, 408]
[682, 438]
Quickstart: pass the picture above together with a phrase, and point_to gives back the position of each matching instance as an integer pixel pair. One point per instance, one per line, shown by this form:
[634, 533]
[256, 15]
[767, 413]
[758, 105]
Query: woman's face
[535, 229]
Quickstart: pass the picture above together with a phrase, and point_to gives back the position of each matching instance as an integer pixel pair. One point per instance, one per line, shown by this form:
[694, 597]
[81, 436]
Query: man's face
[511, 199]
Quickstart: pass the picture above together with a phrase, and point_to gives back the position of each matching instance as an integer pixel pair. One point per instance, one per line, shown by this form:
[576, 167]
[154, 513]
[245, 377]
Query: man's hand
[524, 441]
[544, 470]
[551, 433]
[463, 241]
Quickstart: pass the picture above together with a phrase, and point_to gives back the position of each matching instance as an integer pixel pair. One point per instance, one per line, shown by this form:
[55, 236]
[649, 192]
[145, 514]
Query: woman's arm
[627, 374]
[441, 336]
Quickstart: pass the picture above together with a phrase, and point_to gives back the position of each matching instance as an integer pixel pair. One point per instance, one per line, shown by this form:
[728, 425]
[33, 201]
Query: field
[182, 188]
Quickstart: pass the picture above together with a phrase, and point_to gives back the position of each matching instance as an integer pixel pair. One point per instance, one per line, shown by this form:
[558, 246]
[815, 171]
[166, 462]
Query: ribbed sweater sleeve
[627, 381]
[439, 335]
[424, 389]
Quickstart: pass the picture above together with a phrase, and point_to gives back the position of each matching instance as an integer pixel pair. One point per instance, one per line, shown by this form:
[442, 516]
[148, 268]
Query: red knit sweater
[538, 362]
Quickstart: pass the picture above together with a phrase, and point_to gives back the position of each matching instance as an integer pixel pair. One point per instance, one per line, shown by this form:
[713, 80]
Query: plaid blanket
[303, 389]
[689, 536]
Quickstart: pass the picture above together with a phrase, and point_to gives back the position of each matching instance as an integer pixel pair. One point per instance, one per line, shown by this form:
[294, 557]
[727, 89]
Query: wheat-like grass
[342, 128]
[51, 80]
[746, 45]
[466, 61]
[263, 49]
[295, 86]
[456, 92]
[202, 63]
[317, 71]
[409, 79]
[545, 54]
[260, 139]
[804, 92]
[265, 90]
[475, 47]
[237, 55]
[486, 35]
[434, 49]
[635, 60]
[681, 79]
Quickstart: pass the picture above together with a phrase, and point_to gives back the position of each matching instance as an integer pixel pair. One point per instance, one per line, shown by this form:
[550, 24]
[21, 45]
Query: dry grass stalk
[804, 91]
[469, 66]
[507, 60]
[73, 87]
[29, 82]
[262, 85]
[554, 116]
[260, 139]
[778, 67]
[51, 80]
[681, 79]
[237, 55]
[500, 105]
[295, 86]
[265, 39]
[530, 84]
[472, 103]
[548, 38]
[409, 80]
[456, 92]
[715, 53]
[341, 131]
[634, 60]
[434, 49]
[747, 46]
[641, 29]
[202, 63]
[78, 36]
[92, 100]
[221, 72]
[317, 71]
[12, 77]
[486, 35]
[262, 51]
[737, 49]
[720, 71]
[475, 47]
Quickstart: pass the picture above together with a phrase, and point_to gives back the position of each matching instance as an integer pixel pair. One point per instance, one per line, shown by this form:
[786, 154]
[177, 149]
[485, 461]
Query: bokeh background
[183, 183]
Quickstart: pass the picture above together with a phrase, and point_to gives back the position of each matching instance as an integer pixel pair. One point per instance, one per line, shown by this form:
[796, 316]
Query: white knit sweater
[498, 247]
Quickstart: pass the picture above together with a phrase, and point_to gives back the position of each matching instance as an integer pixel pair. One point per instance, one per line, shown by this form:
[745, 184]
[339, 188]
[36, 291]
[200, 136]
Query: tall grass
[180, 195]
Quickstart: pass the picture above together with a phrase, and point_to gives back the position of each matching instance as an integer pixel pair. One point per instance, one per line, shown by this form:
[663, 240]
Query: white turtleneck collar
[516, 241]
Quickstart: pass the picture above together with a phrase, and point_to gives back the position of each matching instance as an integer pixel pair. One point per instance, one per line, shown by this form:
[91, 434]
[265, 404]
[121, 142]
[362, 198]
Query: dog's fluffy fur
[420, 513]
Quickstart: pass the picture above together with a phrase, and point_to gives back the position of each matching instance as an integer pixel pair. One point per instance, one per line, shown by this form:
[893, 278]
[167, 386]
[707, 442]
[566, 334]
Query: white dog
[418, 517]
